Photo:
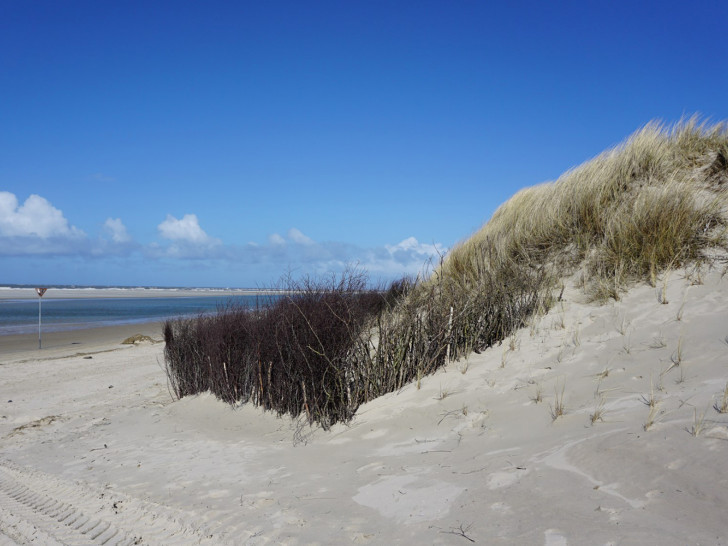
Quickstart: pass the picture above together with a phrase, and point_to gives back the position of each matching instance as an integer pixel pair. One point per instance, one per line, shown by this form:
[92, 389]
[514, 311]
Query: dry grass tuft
[677, 356]
[653, 403]
[599, 411]
[651, 417]
[662, 294]
[622, 325]
[538, 394]
[722, 405]
[658, 342]
[627, 345]
[442, 394]
[698, 422]
[558, 408]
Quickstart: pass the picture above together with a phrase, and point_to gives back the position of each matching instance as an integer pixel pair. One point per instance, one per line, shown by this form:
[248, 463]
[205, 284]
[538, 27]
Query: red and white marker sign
[41, 291]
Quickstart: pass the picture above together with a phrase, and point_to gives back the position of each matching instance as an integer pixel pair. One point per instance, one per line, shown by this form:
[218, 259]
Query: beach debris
[137, 338]
[33, 425]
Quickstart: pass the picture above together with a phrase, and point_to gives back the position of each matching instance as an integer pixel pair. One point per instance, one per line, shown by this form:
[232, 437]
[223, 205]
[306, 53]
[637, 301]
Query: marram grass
[657, 200]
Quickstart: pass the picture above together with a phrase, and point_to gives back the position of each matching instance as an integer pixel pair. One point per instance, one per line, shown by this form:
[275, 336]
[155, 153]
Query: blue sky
[228, 143]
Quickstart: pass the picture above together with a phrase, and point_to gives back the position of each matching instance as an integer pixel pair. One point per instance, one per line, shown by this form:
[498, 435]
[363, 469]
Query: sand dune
[488, 450]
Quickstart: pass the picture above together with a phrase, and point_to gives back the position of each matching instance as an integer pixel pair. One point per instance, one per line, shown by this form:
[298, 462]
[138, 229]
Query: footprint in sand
[675, 465]
[497, 480]
[371, 467]
[501, 508]
[553, 537]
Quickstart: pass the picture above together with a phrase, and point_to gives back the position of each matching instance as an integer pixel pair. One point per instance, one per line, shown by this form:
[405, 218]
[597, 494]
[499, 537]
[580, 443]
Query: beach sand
[68, 343]
[94, 449]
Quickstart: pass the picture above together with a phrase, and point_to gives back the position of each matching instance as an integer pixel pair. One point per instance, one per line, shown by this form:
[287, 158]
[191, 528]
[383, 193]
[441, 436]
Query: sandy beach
[67, 343]
[592, 425]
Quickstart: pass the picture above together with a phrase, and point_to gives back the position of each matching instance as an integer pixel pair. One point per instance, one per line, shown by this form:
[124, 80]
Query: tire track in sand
[38, 508]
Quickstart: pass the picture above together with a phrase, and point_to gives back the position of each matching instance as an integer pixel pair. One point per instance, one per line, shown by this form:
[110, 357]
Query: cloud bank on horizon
[37, 229]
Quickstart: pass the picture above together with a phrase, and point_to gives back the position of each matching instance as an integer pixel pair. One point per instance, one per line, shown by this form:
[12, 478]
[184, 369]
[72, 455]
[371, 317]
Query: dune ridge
[656, 202]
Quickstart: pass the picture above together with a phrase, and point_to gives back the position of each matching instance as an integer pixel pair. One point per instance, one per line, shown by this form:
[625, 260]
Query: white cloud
[189, 240]
[411, 250]
[186, 230]
[408, 257]
[117, 230]
[293, 235]
[34, 218]
[36, 227]
[276, 240]
[297, 237]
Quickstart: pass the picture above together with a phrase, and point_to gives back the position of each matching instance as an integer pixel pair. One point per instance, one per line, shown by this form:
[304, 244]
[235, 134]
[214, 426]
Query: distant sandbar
[7, 293]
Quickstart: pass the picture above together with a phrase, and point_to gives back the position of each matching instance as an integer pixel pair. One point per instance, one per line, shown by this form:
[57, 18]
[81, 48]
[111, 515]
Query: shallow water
[21, 316]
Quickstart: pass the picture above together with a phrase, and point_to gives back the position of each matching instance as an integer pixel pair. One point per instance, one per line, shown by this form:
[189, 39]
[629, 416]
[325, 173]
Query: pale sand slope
[470, 456]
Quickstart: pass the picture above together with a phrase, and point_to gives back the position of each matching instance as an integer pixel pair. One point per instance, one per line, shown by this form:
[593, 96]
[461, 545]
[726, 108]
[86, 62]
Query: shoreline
[84, 293]
[65, 343]
[114, 296]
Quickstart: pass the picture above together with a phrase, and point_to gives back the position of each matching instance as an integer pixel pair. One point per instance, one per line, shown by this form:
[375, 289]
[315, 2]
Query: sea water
[21, 316]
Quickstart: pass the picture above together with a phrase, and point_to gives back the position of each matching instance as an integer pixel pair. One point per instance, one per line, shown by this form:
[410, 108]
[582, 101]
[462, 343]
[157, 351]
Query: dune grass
[657, 202]
[721, 406]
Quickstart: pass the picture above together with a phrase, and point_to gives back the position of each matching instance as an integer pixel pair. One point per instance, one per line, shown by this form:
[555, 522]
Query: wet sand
[72, 342]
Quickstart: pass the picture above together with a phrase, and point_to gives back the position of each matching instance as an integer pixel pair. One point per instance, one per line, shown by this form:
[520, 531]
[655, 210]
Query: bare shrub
[296, 353]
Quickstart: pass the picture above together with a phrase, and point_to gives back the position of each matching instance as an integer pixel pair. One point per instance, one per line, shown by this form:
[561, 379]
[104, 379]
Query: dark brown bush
[291, 354]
